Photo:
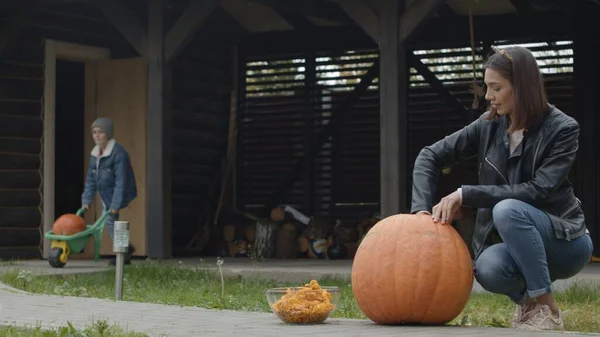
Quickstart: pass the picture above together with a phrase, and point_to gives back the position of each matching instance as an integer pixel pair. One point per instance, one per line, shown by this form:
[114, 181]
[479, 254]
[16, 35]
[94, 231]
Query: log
[20, 180]
[264, 244]
[287, 244]
[277, 214]
[19, 198]
[19, 161]
[21, 252]
[20, 217]
[20, 145]
[251, 232]
[17, 237]
[229, 233]
[303, 244]
[18, 126]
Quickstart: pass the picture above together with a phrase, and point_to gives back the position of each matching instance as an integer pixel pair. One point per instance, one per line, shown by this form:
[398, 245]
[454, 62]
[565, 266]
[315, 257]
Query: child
[110, 173]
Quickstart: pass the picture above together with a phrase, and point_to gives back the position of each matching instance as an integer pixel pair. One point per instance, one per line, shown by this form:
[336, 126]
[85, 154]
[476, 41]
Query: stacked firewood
[287, 234]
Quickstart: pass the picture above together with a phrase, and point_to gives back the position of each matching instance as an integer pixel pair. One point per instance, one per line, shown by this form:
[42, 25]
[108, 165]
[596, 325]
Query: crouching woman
[530, 228]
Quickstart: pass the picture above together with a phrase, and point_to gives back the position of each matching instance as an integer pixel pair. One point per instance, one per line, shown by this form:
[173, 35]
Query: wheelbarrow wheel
[54, 258]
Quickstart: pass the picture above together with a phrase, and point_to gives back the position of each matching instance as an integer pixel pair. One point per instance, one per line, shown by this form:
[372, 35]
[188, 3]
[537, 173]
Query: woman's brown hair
[520, 68]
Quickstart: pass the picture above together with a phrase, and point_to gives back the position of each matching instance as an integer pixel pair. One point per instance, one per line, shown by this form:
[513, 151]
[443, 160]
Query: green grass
[98, 329]
[183, 285]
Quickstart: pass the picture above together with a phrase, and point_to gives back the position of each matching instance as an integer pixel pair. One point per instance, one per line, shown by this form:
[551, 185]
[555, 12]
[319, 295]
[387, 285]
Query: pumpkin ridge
[466, 269]
[438, 272]
[408, 281]
[397, 286]
[460, 272]
[418, 284]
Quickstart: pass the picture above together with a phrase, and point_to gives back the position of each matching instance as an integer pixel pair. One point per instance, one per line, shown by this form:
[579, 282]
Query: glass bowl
[299, 305]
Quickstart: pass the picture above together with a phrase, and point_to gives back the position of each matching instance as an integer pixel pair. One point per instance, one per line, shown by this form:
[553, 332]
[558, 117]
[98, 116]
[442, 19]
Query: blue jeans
[530, 257]
[109, 224]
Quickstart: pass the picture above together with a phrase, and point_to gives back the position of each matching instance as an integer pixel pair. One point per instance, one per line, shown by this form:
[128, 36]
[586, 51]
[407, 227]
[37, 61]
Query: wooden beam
[297, 21]
[159, 123]
[393, 96]
[523, 7]
[188, 24]
[126, 23]
[16, 23]
[586, 103]
[450, 32]
[447, 12]
[314, 8]
[415, 16]
[364, 16]
[330, 39]
[435, 83]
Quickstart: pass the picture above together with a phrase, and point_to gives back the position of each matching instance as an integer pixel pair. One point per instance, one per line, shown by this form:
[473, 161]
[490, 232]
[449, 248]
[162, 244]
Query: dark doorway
[70, 130]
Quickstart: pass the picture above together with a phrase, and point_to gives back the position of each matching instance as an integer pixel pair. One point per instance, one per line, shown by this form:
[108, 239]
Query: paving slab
[22, 309]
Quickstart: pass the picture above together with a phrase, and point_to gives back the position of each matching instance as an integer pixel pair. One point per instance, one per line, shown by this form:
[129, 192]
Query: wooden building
[328, 102]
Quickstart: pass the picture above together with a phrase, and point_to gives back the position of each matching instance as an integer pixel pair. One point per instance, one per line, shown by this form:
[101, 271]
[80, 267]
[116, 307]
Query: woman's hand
[444, 211]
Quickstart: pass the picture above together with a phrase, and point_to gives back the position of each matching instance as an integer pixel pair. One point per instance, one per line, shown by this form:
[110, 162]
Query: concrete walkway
[22, 309]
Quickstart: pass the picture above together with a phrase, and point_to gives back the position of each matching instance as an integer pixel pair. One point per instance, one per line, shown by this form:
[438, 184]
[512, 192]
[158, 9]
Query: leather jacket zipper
[495, 168]
[485, 237]
[537, 148]
[570, 209]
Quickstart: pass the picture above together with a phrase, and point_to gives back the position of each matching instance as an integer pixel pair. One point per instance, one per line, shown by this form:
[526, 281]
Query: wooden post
[159, 138]
[587, 91]
[393, 86]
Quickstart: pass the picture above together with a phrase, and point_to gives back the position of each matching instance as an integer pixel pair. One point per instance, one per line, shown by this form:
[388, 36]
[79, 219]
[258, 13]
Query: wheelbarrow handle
[80, 211]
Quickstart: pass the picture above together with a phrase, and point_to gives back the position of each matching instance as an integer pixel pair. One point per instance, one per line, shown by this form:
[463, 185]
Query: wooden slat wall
[355, 142]
[272, 128]
[280, 116]
[21, 112]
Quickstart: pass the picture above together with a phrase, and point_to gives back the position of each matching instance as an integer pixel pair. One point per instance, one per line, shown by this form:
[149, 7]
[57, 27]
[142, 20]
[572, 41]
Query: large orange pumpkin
[68, 224]
[409, 269]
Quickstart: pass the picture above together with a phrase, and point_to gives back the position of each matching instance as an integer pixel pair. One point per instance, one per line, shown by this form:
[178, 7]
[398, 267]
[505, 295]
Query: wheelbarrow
[63, 245]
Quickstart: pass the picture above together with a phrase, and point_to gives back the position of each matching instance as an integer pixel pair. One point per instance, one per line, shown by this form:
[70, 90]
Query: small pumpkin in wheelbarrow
[68, 224]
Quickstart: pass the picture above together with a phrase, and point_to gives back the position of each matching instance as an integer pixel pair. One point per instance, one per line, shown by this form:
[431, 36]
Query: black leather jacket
[536, 172]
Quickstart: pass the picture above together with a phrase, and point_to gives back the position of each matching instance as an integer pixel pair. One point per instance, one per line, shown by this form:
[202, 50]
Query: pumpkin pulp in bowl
[309, 304]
